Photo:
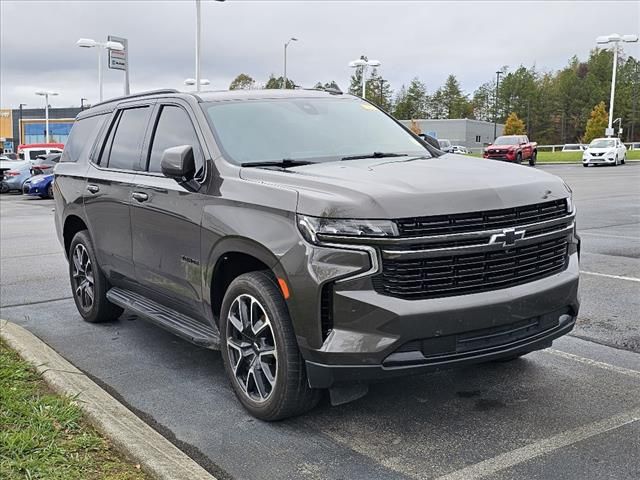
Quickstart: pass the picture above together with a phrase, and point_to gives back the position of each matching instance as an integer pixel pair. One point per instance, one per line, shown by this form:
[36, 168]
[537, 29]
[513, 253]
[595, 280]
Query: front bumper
[326, 376]
[371, 332]
[603, 160]
[507, 157]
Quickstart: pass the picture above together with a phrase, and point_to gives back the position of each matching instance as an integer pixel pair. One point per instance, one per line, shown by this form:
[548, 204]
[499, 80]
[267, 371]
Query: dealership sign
[118, 59]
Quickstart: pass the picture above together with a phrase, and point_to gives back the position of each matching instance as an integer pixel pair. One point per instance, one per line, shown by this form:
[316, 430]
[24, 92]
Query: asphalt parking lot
[568, 412]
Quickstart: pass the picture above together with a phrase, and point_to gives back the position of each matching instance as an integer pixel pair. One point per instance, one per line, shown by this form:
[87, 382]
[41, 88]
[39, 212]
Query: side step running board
[181, 325]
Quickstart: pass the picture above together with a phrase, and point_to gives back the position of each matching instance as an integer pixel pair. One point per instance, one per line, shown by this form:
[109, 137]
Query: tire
[617, 162]
[277, 387]
[624, 159]
[87, 279]
[4, 188]
[50, 191]
[519, 158]
[585, 165]
[533, 159]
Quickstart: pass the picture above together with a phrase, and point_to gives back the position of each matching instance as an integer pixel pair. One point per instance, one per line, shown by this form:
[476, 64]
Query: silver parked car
[13, 174]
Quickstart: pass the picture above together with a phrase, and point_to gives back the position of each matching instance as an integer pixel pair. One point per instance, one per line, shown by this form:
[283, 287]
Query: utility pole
[495, 106]
[528, 116]
[636, 80]
[382, 80]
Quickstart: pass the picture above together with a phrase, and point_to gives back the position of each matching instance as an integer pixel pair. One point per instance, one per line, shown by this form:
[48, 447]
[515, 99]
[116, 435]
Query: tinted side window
[173, 128]
[126, 142]
[33, 154]
[81, 138]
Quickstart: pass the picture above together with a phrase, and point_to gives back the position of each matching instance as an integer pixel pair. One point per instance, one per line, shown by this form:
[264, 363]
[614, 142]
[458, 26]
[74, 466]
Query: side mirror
[178, 163]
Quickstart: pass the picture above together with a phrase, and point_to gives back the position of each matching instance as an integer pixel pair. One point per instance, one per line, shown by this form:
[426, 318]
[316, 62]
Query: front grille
[471, 273]
[478, 221]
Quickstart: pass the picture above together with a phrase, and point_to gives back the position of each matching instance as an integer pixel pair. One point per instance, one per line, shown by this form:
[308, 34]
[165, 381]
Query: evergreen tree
[242, 82]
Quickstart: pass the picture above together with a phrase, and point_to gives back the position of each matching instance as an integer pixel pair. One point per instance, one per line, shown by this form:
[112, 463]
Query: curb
[129, 434]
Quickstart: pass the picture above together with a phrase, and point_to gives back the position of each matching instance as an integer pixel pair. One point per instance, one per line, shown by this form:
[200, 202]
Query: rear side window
[81, 138]
[33, 154]
[124, 144]
[174, 128]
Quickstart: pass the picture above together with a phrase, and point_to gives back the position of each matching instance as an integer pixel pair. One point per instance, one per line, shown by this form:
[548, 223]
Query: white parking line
[617, 277]
[569, 437]
[625, 237]
[594, 363]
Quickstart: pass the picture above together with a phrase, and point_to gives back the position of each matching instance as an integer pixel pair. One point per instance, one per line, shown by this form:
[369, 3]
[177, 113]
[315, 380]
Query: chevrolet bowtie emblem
[507, 238]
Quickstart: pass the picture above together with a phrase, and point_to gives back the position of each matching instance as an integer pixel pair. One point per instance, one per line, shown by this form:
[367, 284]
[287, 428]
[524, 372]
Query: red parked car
[512, 148]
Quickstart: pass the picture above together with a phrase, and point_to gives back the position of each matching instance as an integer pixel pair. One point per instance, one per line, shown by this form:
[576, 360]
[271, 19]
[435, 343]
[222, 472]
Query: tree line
[553, 107]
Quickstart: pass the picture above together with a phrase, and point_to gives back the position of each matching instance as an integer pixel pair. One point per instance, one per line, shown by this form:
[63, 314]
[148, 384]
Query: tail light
[12, 173]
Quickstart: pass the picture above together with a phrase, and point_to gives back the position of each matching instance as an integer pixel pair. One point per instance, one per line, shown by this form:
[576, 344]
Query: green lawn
[43, 435]
[570, 157]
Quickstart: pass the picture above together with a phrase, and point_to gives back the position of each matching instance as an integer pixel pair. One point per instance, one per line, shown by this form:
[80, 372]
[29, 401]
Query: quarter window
[81, 138]
[174, 128]
[122, 150]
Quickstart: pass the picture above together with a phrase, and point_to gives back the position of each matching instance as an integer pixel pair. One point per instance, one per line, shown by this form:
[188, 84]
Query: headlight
[310, 227]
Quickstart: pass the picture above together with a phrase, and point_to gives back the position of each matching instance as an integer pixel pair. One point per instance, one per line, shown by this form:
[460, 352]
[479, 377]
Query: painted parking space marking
[625, 237]
[542, 447]
[594, 363]
[617, 277]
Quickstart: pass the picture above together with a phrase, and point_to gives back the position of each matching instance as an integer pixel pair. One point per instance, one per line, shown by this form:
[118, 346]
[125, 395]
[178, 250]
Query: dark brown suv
[311, 238]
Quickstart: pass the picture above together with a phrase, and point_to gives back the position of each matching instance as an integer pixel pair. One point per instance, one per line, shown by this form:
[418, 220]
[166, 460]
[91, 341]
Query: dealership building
[473, 134]
[28, 126]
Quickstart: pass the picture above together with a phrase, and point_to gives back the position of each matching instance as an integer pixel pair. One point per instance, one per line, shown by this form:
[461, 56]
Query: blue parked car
[13, 174]
[39, 186]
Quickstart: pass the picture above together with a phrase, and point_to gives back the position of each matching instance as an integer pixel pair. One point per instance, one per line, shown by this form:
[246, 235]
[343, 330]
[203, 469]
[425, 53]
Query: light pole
[198, 30]
[284, 81]
[91, 43]
[363, 63]
[45, 94]
[82, 100]
[20, 123]
[495, 107]
[614, 39]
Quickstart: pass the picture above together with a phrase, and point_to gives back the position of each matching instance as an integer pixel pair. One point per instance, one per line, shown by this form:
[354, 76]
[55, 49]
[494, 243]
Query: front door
[166, 218]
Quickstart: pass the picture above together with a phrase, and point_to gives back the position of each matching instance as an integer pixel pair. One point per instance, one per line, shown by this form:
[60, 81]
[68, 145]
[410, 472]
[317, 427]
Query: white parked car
[574, 147]
[445, 145]
[459, 149]
[605, 151]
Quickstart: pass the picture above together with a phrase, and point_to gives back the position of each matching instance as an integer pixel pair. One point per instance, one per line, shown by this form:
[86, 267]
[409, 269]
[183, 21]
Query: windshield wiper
[284, 163]
[375, 155]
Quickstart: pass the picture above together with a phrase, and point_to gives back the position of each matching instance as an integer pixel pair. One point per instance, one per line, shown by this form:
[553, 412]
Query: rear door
[166, 216]
[107, 193]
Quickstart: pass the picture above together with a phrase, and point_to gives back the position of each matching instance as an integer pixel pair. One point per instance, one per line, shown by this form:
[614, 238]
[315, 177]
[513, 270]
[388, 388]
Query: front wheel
[260, 351]
[88, 284]
[519, 158]
[533, 159]
[624, 159]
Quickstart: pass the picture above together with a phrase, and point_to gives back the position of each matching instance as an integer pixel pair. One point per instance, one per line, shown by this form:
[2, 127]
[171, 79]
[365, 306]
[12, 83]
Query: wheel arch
[230, 258]
[72, 225]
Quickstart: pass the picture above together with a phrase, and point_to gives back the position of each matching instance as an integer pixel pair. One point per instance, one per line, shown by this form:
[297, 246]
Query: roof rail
[330, 90]
[136, 95]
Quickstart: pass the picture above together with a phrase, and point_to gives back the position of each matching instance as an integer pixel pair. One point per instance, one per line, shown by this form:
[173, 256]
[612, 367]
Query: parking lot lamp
[614, 40]
[284, 81]
[192, 81]
[363, 64]
[198, 31]
[45, 94]
[495, 107]
[90, 43]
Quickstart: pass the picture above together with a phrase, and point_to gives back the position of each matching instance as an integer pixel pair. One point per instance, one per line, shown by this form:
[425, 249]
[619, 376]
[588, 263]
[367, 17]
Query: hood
[397, 188]
[41, 178]
[600, 150]
[501, 147]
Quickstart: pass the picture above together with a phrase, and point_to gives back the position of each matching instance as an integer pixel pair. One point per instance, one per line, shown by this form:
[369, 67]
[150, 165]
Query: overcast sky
[411, 38]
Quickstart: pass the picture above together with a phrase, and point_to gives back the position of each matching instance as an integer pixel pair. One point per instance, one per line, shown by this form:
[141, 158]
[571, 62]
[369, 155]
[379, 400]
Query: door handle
[93, 188]
[140, 196]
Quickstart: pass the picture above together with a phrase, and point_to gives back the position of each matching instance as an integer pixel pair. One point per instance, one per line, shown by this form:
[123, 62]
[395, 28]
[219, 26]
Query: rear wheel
[88, 283]
[533, 159]
[260, 351]
[50, 191]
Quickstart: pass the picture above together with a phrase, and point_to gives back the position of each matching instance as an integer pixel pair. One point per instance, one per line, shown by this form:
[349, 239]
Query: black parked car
[313, 239]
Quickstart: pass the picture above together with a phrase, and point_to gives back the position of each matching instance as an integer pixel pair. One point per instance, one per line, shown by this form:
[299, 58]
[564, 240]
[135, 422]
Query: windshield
[602, 143]
[313, 129]
[444, 143]
[507, 141]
